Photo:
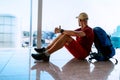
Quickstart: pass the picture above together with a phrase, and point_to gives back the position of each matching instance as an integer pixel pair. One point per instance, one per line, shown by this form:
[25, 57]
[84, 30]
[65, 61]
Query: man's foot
[41, 56]
[39, 50]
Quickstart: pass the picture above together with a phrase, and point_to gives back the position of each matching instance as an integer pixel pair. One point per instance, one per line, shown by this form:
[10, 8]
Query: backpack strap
[99, 57]
[116, 61]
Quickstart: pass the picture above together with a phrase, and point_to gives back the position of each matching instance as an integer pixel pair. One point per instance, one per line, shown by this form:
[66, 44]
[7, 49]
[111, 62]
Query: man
[79, 48]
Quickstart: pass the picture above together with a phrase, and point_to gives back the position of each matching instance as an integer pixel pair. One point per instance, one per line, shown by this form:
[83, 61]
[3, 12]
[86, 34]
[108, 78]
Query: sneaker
[41, 57]
[39, 50]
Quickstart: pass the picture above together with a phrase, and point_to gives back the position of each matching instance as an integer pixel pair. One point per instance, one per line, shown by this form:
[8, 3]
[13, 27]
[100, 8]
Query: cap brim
[77, 17]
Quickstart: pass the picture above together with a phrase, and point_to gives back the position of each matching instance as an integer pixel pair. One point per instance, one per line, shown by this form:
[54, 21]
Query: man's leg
[54, 41]
[39, 50]
[59, 43]
[56, 45]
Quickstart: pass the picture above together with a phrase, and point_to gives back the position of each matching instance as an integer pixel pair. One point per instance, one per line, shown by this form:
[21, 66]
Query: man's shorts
[76, 50]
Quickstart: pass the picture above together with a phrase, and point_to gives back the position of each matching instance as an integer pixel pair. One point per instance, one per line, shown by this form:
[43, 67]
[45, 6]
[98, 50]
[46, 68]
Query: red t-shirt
[86, 41]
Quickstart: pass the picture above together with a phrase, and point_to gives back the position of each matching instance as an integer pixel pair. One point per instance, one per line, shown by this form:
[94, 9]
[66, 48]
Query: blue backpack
[102, 42]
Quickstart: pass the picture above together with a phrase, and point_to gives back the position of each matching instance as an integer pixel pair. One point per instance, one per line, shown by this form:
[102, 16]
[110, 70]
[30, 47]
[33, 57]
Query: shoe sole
[39, 61]
[42, 60]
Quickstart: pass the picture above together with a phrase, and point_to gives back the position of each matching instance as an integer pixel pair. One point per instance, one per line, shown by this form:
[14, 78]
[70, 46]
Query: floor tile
[19, 65]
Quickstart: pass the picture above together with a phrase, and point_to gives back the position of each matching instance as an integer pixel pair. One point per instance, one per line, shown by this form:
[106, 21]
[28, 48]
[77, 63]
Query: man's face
[80, 22]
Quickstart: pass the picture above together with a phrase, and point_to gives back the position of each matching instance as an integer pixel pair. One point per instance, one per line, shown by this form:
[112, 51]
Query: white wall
[104, 13]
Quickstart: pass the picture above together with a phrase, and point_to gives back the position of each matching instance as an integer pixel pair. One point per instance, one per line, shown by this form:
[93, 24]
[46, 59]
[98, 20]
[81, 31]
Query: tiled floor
[17, 64]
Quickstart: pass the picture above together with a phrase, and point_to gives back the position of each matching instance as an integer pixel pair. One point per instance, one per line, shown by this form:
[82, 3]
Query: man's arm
[74, 33]
[70, 32]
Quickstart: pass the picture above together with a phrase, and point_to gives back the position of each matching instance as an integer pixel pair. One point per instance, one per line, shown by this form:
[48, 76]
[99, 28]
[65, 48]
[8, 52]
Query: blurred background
[15, 19]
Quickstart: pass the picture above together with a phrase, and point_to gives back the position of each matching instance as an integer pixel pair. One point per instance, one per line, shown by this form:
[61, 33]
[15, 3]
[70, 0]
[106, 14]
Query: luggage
[102, 42]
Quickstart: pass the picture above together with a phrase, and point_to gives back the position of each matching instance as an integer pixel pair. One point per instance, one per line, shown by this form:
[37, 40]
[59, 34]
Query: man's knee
[68, 39]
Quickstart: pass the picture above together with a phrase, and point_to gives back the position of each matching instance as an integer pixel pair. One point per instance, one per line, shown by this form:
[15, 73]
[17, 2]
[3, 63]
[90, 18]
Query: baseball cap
[83, 16]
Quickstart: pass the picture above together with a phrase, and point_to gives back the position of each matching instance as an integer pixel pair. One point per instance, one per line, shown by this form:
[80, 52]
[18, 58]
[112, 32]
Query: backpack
[102, 42]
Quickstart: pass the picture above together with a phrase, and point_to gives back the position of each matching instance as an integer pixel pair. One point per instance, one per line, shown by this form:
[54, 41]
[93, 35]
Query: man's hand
[57, 29]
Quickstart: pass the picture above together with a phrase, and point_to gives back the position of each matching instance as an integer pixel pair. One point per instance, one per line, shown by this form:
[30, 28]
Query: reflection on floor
[17, 64]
